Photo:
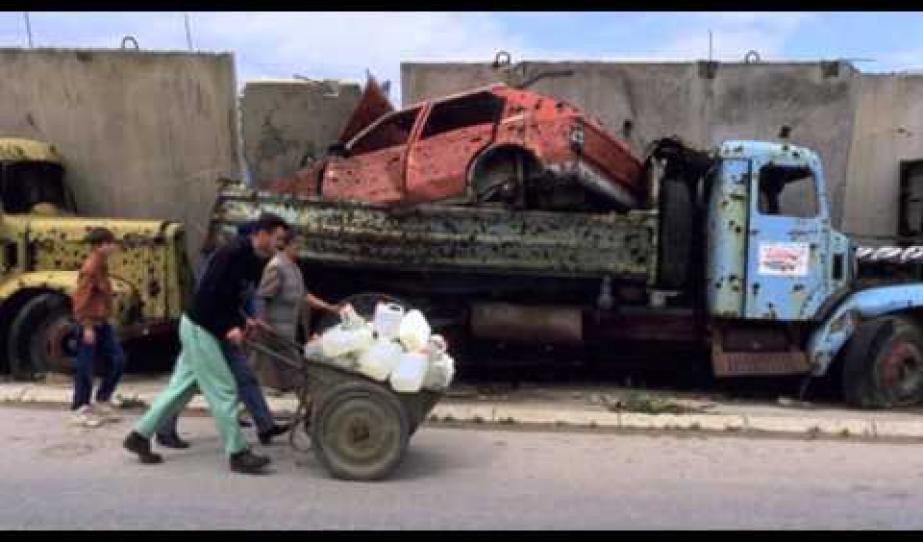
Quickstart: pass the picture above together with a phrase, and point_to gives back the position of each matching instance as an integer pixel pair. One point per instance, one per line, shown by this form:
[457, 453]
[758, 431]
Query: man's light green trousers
[201, 363]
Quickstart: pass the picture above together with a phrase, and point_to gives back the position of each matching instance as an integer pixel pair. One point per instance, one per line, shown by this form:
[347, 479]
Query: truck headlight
[576, 138]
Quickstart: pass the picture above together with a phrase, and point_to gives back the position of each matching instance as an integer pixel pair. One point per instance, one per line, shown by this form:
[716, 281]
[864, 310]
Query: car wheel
[502, 177]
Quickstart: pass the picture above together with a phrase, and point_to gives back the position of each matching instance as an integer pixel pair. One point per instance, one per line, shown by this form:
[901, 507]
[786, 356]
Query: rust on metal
[755, 352]
[439, 237]
[429, 151]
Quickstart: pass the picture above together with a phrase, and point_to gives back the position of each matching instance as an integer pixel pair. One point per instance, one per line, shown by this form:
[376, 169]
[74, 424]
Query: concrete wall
[285, 120]
[660, 99]
[143, 134]
[888, 129]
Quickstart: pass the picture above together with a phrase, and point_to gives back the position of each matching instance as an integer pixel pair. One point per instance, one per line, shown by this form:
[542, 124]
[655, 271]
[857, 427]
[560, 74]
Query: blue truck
[732, 250]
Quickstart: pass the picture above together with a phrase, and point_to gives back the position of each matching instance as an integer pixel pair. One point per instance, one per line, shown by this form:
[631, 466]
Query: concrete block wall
[284, 121]
[888, 128]
[143, 134]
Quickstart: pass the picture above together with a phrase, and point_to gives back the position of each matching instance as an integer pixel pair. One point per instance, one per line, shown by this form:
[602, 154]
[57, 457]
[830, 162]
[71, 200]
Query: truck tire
[675, 246]
[883, 364]
[364, 303]
[359, 431]
[38, 336]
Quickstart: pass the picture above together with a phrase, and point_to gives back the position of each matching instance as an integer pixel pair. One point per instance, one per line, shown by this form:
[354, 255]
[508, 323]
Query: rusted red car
[492, 144]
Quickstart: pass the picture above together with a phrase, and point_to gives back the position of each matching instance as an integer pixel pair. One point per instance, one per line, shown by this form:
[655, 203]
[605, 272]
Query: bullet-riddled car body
[495, 143]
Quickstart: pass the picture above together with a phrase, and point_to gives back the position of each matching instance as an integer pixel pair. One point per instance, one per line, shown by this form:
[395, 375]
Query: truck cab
[772, 253]
[42, 246]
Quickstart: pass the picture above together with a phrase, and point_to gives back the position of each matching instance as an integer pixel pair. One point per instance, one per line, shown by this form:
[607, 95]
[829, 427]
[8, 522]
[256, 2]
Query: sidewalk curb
[448, 412]
[706, 423]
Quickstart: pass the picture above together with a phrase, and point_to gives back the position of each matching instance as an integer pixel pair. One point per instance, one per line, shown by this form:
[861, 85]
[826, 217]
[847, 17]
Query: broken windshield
[23, 185]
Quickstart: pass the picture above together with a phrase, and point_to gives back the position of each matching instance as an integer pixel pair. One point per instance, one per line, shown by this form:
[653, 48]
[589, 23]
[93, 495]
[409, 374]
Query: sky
[333, 45]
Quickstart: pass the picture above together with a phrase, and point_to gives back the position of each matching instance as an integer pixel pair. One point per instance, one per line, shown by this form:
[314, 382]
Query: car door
[787, 255]
[453, 133]
[373, 167]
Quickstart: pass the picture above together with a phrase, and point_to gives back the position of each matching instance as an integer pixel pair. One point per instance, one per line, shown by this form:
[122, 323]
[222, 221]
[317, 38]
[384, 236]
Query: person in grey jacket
[283, 302]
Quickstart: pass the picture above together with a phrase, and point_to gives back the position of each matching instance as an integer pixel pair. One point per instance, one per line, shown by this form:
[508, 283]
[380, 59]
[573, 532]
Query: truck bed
[433, 237]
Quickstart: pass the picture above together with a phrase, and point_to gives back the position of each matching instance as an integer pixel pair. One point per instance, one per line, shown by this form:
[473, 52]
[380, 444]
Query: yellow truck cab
[42, 245]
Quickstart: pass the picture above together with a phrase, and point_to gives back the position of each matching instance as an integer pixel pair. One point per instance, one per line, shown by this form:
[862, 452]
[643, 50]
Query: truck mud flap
[755, 363]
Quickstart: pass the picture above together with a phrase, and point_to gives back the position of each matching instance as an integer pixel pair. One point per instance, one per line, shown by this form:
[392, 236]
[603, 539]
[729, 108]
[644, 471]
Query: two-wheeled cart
[359, 428]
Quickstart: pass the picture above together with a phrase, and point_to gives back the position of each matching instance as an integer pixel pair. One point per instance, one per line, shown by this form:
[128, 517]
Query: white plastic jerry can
[407, 377]
[414, 331]
[440, 372]
[387, 320]
[380, 359]
[341, 339]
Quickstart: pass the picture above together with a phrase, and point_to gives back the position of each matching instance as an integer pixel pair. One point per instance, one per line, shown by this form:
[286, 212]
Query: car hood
[372, 105]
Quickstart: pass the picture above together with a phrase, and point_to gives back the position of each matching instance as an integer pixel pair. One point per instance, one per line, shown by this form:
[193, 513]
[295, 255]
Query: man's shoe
[137, 444]
[107, 412]
[276, 430]
[246, 462]
[85, 417]
[171, 441]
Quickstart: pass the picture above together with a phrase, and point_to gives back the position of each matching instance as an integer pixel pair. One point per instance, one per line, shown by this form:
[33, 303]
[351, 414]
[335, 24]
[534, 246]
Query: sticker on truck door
[784, 259]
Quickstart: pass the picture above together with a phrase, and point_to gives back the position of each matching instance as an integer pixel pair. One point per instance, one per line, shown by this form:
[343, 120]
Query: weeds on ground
[637, 401]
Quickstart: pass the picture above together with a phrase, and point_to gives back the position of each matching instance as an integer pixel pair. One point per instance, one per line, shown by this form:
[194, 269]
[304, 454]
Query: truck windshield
[23, 185]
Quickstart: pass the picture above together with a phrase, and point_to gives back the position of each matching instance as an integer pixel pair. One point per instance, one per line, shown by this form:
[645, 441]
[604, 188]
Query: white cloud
[733, 35]
[343, 45]
[900, 60]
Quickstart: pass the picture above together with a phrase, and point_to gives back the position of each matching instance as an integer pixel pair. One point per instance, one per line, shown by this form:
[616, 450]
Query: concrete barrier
[285, 122]
[143, 134]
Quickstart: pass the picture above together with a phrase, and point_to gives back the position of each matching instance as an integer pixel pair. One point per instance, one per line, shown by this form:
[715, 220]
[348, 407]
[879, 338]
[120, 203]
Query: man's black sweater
[216, 304]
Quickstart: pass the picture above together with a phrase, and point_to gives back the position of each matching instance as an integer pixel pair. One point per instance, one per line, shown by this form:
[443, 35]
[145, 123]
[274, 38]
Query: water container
[414, 331]
[380, 359]
[387, 320]
[436, 346]
[407, 377]
[440, 372]
[313, 349]
[345, 339]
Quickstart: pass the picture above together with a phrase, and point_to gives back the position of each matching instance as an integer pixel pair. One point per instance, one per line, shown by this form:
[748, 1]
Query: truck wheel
[359, 431]
[38, 337]
[883, 364]
[364, 304]
[675, 233]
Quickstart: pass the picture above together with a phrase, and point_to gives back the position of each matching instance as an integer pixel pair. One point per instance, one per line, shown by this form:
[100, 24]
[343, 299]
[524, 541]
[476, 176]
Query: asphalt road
[57, 476]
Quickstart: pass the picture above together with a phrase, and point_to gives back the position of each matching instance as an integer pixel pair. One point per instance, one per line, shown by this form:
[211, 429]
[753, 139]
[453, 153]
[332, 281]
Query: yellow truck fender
[65, 282]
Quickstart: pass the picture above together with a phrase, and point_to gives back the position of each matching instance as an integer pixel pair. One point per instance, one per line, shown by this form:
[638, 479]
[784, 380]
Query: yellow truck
[41, 248]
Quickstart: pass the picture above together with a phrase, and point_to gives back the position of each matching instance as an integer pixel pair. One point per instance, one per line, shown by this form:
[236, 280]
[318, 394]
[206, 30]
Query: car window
[788, 191]
[391, 131]
[480, 108]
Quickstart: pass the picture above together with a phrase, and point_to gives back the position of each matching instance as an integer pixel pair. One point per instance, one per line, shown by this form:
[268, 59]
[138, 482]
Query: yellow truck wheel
[36, 343]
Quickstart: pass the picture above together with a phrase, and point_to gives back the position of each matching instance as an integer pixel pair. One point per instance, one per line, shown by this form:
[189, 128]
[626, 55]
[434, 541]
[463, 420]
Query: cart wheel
[359, 431]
